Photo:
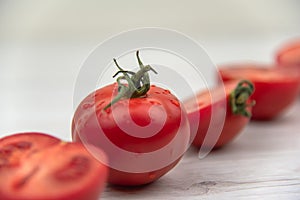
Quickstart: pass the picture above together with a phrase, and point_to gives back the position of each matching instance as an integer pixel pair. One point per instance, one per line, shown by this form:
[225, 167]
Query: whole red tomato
[275, 88]
[141, 127]
[238, 112]
[36, 166]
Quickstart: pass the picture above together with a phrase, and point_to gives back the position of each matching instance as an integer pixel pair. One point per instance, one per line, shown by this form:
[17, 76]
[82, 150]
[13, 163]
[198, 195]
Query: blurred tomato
[288, 53]
[238, 112]
[275, 88]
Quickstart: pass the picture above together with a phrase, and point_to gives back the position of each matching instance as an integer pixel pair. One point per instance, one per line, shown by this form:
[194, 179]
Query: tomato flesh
[233, 123]
[38, 166]
[150, 110]
[275, 88]
[14, 147]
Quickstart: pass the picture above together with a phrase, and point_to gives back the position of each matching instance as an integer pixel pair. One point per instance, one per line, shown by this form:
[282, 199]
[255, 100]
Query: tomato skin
[49, 169]
[133, 179]
[86, 129]
[117, 177]
[233, 124]
[275, 88]
[289, 54]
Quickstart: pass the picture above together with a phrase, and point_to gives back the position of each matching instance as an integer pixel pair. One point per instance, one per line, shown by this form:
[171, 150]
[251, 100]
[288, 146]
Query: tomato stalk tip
[137, 84]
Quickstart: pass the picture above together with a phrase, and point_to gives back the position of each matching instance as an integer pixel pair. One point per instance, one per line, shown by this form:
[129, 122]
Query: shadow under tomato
[129, 191]
[128, 188]
[195, 150]
[276, 121]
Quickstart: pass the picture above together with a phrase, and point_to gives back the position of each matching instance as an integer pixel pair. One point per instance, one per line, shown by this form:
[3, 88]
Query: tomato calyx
[239, 98]
[137, 84]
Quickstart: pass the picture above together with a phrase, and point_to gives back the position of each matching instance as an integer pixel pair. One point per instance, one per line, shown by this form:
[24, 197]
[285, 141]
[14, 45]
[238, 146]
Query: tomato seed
[23, 145]
[20, 183]
[175, 102]
[7, 150]
[3, 162]
[77, 167]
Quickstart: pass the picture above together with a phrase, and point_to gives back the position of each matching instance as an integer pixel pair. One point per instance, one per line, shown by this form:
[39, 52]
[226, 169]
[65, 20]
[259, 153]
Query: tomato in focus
[144, 136]
[87, 129]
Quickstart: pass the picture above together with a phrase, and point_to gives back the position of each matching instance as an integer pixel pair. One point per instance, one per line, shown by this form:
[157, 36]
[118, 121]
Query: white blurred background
[43, 44]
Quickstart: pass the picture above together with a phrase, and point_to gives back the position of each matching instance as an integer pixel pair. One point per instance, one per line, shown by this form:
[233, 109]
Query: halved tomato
[36, 166]
[238, 112]
[275, 88]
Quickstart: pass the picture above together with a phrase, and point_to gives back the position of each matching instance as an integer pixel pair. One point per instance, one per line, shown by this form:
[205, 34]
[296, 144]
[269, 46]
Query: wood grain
[262, 163]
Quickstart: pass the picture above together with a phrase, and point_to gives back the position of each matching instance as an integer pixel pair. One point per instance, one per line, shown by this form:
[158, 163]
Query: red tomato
[143, 136]
[88, 129]
[238, 112]
[36, 166]
[275, 88]
[289, 54]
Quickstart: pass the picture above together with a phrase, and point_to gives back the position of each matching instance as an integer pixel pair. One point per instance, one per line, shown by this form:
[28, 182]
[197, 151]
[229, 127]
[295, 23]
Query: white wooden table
[262, 163]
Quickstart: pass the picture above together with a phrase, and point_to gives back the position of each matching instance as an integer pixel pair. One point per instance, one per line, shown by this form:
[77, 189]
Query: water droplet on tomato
[152, 102]
[97, 94]
[87, 105]
[175, 102]
[23, 145]
[166, 92]
[108, 110]
[99, 105]
[152, 175]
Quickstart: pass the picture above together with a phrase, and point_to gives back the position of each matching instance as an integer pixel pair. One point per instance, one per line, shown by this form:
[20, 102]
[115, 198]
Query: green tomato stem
[137, 83]
[239, 98]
